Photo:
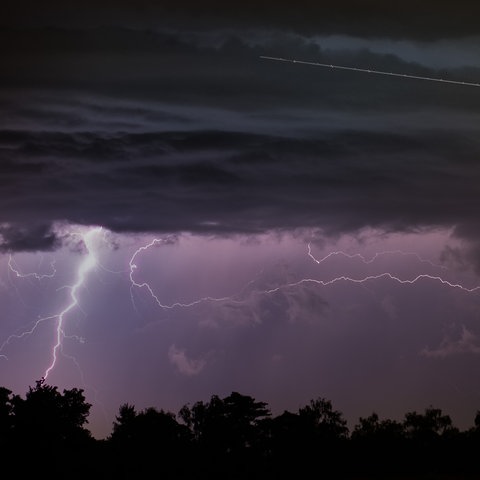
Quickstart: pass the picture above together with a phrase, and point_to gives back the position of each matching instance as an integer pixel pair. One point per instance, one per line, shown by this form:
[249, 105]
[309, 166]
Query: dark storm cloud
[25, 238]
[428, 19]
[173, 130]
[173, 67]
[245, 182]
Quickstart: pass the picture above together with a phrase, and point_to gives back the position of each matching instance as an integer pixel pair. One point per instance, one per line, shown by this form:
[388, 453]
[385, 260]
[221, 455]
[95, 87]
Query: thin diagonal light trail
[367, 70]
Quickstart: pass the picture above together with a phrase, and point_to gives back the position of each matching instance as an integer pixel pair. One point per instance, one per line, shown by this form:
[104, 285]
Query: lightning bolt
[368, 278]
[373, 258]
[18, 336]
[87, 264]
[14, 270]
[145, 285]
[12, 265]
[236, 298]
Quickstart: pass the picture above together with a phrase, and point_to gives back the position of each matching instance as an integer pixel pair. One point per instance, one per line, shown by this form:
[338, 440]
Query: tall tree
[6, 415]
[326, 423]
[428, 426]
[378, 446]
[373, 430]
[147, 440]
[46, 417]
[228, 433]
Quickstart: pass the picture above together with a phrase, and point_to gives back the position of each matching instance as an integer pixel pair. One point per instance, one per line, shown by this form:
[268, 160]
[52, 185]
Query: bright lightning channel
[87, 264]
[367, 70]
[373, 258]
[133, 283]
[12, 265]
[325, 283]
[345, 278]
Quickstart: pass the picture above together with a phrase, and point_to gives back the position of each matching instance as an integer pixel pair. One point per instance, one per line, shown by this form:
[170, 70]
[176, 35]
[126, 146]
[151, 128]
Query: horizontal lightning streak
[345, 278]
[373, 258]
[366, 70]
[12, 265]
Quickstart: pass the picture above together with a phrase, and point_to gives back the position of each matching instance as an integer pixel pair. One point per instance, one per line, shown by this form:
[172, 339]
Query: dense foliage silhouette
[229, 438]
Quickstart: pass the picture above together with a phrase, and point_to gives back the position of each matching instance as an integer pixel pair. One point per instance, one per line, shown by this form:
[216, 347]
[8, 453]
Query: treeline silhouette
[235, 437]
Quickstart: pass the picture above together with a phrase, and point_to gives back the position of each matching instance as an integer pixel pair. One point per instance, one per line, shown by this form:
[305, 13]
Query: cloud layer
[187, 129]
[426, 20]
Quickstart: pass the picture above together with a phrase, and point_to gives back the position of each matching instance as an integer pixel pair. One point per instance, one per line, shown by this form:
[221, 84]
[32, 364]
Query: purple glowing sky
[264, 182]
[379, 344]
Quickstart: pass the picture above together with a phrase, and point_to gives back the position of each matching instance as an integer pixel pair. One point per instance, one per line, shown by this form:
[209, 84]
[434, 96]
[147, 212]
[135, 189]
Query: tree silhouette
[429, 426]
[6, 416]
[229, 424]
[46, 418]
[288, 444]
[378, 445]
[148, 439]
[123, 427]
[298, 441]
[150, 428]
[227, 430]
[327, 424]
[373, 430]
[234, 437]
[45, 426]
[431, 436]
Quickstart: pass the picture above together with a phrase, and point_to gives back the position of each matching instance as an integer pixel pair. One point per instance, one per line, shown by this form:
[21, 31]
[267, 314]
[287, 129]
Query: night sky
[281, 230]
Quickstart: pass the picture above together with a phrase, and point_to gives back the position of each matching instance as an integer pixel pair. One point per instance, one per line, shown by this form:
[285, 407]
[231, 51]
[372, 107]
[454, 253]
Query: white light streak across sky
[372, 71]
